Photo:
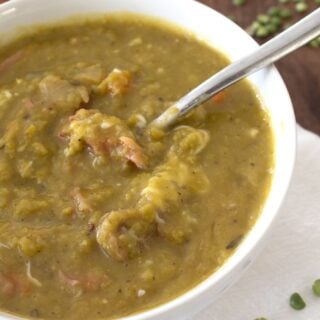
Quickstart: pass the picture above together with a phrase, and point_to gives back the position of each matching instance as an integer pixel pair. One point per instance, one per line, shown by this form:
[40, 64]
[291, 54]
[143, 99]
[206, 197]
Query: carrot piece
[89, 282]
[7, 286]
[12, 283]
[219, 97]
[11, 60]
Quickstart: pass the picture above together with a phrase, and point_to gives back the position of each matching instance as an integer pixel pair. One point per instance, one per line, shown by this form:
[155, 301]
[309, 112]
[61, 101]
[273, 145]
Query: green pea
[255, 25]
[316, 284]
[263, 18]
[314, 44]
[285, 13]
[296, 301]
[272, 28]
[301, 7]
[262, 32]
[283, 1]
[275, 21]
[239, 2]
[274, 11]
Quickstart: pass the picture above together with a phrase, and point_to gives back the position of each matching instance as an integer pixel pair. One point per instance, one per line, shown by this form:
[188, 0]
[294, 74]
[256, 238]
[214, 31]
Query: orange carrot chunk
[219, 97]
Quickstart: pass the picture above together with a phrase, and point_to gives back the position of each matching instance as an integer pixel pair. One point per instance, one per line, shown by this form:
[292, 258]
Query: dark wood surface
[300, 70]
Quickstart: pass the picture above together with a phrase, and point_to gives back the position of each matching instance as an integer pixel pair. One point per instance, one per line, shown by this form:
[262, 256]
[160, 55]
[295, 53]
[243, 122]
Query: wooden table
[300, 70]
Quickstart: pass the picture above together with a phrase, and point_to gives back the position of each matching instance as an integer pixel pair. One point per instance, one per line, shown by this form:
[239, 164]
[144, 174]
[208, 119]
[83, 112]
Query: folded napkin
[290, 262]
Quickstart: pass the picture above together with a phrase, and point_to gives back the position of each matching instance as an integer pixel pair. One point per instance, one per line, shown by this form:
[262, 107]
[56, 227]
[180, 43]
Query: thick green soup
[102, 215]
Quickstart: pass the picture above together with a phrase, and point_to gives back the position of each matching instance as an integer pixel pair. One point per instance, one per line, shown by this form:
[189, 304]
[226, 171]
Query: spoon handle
[286, 42]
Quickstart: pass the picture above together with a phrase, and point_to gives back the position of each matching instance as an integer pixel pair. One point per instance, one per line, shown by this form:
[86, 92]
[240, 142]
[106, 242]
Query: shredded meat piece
[10, 61]
[28, 104]
[87, 283]
[81, 202]
[132, 151]
[90, 75]
[104, 134]
[122, 233]
[12, 284]
[117, 82]
[57, 92]
[7, 286]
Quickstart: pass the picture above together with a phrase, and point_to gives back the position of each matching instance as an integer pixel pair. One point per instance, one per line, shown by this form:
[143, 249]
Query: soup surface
[102, 216]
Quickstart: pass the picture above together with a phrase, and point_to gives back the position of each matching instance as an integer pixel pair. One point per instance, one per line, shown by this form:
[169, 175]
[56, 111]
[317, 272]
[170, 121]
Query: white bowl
[220, 33]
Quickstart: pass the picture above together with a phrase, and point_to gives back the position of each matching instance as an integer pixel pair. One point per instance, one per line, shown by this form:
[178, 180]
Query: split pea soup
[102, 215]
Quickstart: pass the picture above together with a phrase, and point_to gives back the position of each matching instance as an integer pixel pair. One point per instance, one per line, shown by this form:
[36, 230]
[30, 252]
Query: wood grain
[300, 70]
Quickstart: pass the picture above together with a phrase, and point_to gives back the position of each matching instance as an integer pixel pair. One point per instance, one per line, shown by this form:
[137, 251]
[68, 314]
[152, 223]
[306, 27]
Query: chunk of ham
[7, 286]
[56, 92]
[122, 233]
[115, 235]
[116, 83]
[104, 134]
[86, 283]
[81, 203]
[89, 75]
[11, 61]
[130, 149]
[12, 284]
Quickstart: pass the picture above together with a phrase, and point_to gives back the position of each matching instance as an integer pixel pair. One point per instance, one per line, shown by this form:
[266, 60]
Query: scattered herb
[296, 301]
[316, 287]
[260, 319]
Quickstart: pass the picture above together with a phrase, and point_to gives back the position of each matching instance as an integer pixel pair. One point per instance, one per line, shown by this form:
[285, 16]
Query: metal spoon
[286, 42]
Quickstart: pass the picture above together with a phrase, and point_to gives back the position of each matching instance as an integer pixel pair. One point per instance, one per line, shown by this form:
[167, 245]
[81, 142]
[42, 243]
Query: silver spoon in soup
[278, 47]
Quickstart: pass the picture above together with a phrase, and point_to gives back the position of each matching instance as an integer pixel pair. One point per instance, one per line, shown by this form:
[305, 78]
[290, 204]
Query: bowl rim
[248, 244]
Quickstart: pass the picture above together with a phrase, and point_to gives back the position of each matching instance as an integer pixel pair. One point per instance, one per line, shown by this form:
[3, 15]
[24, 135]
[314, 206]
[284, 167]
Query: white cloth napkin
[290, 262]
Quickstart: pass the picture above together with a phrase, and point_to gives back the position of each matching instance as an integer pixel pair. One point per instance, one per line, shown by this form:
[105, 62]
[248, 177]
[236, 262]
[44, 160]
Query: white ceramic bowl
[223, 34]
